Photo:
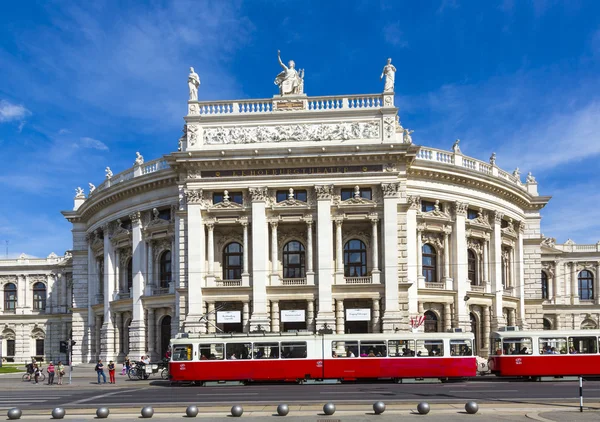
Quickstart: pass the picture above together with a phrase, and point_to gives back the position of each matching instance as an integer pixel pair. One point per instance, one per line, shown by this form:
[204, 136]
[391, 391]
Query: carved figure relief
[193, 196]
[324, 191]
[192, 134]
[390, 189]
[433, 239]
[259, 194]
[436, 211]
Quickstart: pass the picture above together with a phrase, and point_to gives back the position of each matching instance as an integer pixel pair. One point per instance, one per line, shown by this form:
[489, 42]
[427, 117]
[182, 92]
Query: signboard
[293, 315]
[360, 314]
[226, 317]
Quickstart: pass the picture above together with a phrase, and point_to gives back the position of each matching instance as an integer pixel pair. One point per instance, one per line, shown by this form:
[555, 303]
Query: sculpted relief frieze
[292, 133]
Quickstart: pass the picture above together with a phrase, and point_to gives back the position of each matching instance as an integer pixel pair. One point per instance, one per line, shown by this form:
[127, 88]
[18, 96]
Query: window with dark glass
[586, 285]
[10, 347]
[355, 259]
[164, 214]
[429, 263]
[431, 322]
[293, 260]
[10, 297]
[237, 197]
[504, 224]
[39, 347]
[233, 261]
[165, 269]
[299, 195]
[471, 214]
[129, 275]
[427, 206]
[544, 285]
[348, 193]
[472, 267]
[39, 296]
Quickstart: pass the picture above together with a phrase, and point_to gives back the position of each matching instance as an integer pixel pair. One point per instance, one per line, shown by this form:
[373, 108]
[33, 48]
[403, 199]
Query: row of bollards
[423, 408]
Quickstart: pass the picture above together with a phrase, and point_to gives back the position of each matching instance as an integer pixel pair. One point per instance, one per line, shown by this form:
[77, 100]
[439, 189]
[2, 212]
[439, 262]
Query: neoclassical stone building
[298, 212]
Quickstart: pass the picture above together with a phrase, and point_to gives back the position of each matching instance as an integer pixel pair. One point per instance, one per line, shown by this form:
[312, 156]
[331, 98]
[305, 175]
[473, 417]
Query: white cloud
[87, 142]
[394, 35]
[12, 112]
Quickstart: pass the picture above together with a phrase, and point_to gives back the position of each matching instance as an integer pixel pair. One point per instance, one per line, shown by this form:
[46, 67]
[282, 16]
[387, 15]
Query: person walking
[60, 369]
[36, 372]
[50, 369]
[111, 372]
[100, 371]
[127, 365]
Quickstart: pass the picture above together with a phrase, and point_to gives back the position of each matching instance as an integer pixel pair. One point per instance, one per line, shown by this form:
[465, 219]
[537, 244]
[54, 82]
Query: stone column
[496, 273]
[118, 334]
[375, 247]
[137, 329]
[420, 276]
[310, 273]
[391, 262]
[246, 267]
[324, 257]
[108, 333]
[117, 287]
[212, 318]
[150, 280]
[260, 232]
[245, 316]
[96, 353]
[413, 262]
[339, 315]
[520, 277]
[339, 250]
[485, 314]
[574, 286]
[460, 259]
[275, 316]
[196, 269]
[375, 322]
[274, 254]
[310, 316]
[210, 246]
[446, 258]
[447, 317]
[597, 284]
[486, 264]
[151, 333]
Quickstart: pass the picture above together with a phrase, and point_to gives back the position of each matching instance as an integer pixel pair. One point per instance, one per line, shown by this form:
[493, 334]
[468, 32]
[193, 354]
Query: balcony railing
[358, 280]
[124, 295]
[229, 283]
[508, 291]
[480, 289]
[434, 285]
[156, 291]
[293, 282]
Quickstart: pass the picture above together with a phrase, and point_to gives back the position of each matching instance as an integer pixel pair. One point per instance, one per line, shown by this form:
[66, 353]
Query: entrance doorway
[165, 335]
[475, 331]
[353, 327]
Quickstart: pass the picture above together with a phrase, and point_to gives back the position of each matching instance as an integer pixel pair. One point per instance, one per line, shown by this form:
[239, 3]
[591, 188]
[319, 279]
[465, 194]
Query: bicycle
[29, 377]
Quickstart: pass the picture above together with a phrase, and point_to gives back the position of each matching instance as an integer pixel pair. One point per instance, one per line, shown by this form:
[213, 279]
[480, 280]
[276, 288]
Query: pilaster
[137, 329]
[391, 316]
[107, 332]
[195, 244]
[459, 253]
[260, 270]
[325, 315]
[496, 273]
[412, 253]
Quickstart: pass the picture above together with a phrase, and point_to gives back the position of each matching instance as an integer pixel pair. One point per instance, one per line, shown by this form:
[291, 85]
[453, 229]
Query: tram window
[517, 346]
[295, 350]
[433, 348]
[372, 349]
[461, 348]
[266, 350]
[497, 345]
[553, 346]
[239, 351]
[345, 349]
[582, 345]
[182, 352]
[211, 351]
[401, 348]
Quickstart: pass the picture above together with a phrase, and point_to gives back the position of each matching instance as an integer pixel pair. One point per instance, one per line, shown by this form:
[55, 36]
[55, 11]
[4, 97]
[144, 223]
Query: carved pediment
[358, 201]
[290, 203]
[437, 213]
[226, 205]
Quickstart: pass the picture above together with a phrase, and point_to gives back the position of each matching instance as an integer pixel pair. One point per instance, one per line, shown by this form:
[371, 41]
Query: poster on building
[293, 315]
[226, 317]
[358, 314]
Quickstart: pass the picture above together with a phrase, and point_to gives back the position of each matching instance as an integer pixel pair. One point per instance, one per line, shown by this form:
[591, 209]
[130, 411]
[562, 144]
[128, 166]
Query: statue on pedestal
[92, 187]
[389, 71]
[290, 81]
[493, 159]
[109, 172]
[530, 178]
[193, 84]
[455, 147]
[79, 193]
[139, 159]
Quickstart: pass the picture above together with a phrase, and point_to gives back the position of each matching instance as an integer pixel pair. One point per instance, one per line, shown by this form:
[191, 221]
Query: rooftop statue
[139, 159]
[493, 159]
[92, 187]
[455, 147]
[389, 71]
[530, 178]
[290, 81]
[193, 84]
[79, 193]
[109, 172]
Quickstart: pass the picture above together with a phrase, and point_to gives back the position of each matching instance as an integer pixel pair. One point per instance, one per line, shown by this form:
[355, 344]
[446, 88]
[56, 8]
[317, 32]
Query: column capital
[210, 224]
[273, 222]
[498, 216]
[374, 217]
[260, 194]
[308, 219]
[338, 220]
[243, 221]
[390, 190]
[324, 191]
[460, 208]
[135, 217]
[193, 196]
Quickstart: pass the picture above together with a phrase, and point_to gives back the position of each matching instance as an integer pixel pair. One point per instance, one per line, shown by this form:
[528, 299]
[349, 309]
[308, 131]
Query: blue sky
[83, 85]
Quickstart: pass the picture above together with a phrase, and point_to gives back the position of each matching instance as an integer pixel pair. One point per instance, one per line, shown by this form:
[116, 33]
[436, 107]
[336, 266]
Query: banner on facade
[293, 315]
[226, 317]
[359, 314]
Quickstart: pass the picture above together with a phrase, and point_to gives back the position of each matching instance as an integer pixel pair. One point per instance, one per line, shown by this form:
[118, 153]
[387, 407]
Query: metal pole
[581, 394]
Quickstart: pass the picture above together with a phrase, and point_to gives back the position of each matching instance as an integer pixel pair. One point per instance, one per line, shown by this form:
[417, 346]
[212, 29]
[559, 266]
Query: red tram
[301, 357]
[545, 353]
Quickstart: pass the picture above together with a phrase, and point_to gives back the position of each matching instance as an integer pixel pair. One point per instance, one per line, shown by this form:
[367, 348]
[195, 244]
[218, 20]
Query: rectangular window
[582, 345]
[348, 193]
[553, 346]
[239, 351]
[282, 195]
[10, 347]
[471, 214]
[497, 346]
[39, 347]
[461, 348]
[372, 349]
[266, 350]
[401, 348]
[211, 351]
[217, 197]
[344, 349]
[517, 346]
[432, 348]
[301, 195]
[293, 350]
[427, 206]
[182, 352]
[237, 197]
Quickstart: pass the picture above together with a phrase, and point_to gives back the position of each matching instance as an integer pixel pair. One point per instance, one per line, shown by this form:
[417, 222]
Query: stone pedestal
[107, 336]
[137, 339]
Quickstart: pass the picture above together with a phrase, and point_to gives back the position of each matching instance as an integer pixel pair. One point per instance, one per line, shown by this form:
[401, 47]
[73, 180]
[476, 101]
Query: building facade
[299, 213]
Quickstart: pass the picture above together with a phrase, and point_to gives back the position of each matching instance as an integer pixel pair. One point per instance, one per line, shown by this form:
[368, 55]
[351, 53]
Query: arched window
[547, 324]
[586, 285]
[165, 269]
[39, 296]
[472, 267]
[544, 285]
[355, 259]
[589, 324]
[10, 297]
[293, 260]
[232, 262]
[431, 322]
[429, 263]
[130, 274]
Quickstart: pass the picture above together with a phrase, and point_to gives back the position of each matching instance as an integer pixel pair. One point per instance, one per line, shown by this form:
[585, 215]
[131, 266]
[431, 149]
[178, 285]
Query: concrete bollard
[14, 413]
[423, 408]
[329, 409]
[191, 411]
[58, 413]
[147, 412]
[378, 407]
[237, 411]
[102, 412]
[283, 409]
[471, 407]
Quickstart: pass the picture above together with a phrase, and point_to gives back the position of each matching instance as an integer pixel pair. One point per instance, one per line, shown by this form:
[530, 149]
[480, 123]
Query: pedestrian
[127, 365]
[60, 369]
[50, 370]
[100, 371]
[111, 372]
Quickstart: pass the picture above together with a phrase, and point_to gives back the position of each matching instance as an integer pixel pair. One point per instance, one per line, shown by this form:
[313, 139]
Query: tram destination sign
[292, 171]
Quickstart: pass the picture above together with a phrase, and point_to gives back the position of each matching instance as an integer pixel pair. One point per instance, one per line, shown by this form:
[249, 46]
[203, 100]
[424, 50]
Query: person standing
[100, 371]
[50, 370]
[60, 369]
[111, 372]
[36, 372]
[127, 365]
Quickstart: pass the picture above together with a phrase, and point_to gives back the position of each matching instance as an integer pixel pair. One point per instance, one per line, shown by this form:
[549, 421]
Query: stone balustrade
[358, 280]
[136, 171]
[293, 282]
[228, 283]
[572, 247]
